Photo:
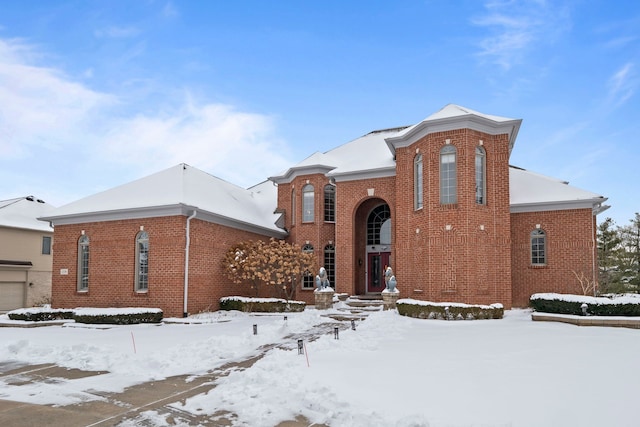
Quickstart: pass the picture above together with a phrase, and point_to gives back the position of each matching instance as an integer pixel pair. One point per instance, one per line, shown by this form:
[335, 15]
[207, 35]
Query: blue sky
[94, 94]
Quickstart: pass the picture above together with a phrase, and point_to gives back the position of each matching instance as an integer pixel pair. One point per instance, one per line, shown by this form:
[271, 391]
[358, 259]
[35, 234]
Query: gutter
[185, 312]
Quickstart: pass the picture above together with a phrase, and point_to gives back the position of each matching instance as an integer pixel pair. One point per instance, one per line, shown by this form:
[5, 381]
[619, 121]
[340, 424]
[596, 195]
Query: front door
[377, 262]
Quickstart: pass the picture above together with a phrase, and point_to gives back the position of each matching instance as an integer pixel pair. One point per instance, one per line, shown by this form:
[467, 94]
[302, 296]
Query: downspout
[185, 312]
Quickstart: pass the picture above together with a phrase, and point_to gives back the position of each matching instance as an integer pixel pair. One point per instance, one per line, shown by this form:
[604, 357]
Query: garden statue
[389, 280]
[322, 281]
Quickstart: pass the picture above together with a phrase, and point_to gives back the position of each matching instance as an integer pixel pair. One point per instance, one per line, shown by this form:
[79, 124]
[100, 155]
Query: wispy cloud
[516, 26]
[44, 112]
[117, 32]
[622, 84]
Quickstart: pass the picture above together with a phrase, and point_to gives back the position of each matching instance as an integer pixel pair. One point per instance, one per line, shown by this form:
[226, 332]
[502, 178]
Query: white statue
[389, 280]
[322, 281]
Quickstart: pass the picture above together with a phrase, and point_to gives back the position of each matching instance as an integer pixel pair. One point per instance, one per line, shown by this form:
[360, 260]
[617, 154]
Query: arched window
[378, 225]
[293, 206]
[481, 176]
[448, 179]
[330, 263]
[329, 203]
[142, 262]
[83, 264]
[417, 182]
[538, 247]
[307, 203]
[307, 277]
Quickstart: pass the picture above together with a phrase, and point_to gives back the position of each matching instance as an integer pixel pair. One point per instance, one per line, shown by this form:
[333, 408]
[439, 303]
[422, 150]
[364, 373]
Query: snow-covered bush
[118, 316]
[448, 310]
[40, 314]
[596, 306]
[261, 305]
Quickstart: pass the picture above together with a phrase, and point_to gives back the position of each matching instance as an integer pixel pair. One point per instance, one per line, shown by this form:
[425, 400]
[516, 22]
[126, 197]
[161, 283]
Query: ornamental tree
[275, 263]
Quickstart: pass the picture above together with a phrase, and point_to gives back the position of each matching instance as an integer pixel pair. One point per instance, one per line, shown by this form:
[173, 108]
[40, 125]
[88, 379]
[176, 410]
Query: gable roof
[532, 192]
[23, 213]
[180, 190]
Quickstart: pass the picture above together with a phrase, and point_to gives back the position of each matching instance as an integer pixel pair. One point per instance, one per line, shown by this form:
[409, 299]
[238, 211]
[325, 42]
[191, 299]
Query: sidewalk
[127, 408]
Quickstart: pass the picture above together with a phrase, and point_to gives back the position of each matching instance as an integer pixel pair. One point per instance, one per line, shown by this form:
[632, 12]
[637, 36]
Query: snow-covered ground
[390, 371]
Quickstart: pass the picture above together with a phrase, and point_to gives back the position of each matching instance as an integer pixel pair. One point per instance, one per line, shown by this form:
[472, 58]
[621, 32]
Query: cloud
[117, 32]
[237, 146]
[622, 84]
[516, 26]
[98, 138]
[41, 107]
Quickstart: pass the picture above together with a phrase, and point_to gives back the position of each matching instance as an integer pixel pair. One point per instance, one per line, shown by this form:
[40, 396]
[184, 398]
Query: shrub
[118, 316]
[261, 305]
[457, 311]
[40, 314]
[596, 306]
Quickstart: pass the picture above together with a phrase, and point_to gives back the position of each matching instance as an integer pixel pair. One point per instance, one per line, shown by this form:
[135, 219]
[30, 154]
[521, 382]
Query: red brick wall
[469, 262]
[570, 238]
[112, 265]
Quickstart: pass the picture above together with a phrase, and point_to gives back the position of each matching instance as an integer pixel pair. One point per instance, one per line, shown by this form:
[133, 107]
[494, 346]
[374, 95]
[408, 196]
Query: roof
[372, 155]
[532, 192]
[23, 213]
[180, 190]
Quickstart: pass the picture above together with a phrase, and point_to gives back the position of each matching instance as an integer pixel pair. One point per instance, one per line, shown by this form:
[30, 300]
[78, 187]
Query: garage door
[11, 296]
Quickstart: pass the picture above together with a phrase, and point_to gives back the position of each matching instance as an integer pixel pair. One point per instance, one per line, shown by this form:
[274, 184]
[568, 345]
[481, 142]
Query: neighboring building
[437, 201]
[25, 253]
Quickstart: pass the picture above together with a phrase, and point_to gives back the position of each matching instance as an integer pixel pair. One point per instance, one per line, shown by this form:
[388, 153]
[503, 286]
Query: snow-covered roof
[23, 212]
[372, 155]
[532, 192]
[180, 190]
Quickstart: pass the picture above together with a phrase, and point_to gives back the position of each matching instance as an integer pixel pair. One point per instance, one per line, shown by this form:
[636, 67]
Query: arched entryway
[373, 245]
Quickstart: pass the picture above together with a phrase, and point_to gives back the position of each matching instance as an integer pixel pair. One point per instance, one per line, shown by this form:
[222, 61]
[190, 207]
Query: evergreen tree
[608, 253]
[630, 256]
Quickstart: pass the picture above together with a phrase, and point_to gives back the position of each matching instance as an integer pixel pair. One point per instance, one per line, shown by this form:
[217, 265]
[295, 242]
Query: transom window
[417, 182]
[142, 261]
[379, 226]
[329, 203]
[481, 176]
[83, 263]
[307, 277]
[448, 179]
[307, 203]
[538, 247]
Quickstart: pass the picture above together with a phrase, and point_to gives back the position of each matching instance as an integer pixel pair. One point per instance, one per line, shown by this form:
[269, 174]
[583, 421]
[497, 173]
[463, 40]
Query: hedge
[456, 311]
[596, 306]
[113, 316]
[261, 305]
[40, 314]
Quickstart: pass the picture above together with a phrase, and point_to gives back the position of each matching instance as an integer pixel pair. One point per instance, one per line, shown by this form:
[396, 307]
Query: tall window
[83, 263]
[538, 247]
[293, 206]
[307, 277]
[330, 264]
[307, 203]
[142, 262]
[329, 203]
[481, 176]
[417, 182]
[379, 226]
[448, 180]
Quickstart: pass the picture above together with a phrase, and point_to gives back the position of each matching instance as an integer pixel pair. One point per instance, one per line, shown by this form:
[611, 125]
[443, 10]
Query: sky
[391, 371]
[94, 94]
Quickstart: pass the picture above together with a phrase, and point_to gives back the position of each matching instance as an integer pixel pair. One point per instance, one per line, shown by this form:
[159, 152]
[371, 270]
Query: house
[25, 253]
[437, 201]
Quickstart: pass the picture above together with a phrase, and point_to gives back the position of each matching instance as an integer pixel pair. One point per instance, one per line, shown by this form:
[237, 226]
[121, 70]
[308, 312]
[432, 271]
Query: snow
[619, 299]
[22, 212]
[390, 371]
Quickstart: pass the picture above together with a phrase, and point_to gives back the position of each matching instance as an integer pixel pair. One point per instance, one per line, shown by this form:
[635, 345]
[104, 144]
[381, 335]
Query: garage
[12, 296]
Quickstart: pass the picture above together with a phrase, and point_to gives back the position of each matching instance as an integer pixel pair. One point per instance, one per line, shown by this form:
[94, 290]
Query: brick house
[438, 201]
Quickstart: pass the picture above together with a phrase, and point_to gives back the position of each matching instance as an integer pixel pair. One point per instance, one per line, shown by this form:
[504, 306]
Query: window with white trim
[330, 264]
[307, 203]
[417, 182]
[448, 175]
[142, 262]
[538, 247]
[83, 264]
[307, 277]
[481, 176]
[329, 203]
